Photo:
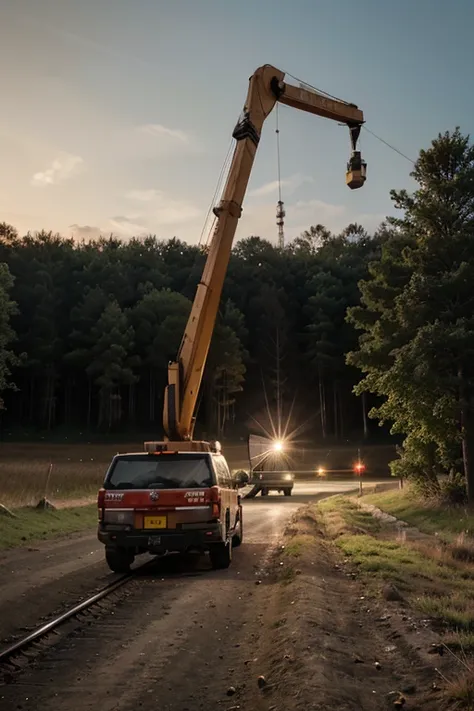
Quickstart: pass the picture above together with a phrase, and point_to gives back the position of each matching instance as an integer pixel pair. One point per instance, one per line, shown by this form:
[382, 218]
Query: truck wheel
[239, 537]
[264, 492]
[220, 555]
[287, 492]
[119, 560]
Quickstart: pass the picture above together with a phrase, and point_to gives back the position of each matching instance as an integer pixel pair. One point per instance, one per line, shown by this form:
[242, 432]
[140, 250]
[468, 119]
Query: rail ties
[8, 654]
[22, 644]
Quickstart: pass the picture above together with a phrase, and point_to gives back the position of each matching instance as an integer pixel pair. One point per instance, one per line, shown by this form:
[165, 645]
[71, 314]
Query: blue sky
[117, 115]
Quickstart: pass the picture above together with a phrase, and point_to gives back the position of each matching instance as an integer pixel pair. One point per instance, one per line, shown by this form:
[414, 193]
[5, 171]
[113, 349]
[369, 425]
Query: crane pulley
[266, 88]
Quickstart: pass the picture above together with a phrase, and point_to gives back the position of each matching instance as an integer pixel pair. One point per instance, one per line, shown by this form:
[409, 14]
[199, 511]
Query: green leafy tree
[111, 365]
[8, 234]
[418, 344]
[311, 240]
[83, 319]
[7, 335]
[159, 320]
[225, 368]
[326, 310]
[63, 289]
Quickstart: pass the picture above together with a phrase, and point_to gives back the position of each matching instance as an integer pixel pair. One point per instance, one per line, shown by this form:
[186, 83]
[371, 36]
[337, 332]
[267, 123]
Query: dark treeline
[332, 329]
[95, 324]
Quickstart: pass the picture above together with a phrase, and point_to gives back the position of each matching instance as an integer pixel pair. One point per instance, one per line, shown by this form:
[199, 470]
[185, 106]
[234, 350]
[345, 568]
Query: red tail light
[359, 468]
[101, 503]
[215, 495]
[216, 501]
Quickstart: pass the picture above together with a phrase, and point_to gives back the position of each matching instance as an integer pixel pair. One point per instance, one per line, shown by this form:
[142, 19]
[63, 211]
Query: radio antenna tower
[280, 211]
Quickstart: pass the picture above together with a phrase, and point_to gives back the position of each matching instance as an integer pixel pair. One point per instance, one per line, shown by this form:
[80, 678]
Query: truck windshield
[163, 471]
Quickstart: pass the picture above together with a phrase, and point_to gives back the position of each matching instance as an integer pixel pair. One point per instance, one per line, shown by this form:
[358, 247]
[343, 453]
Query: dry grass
[77, 470]
[60, 472]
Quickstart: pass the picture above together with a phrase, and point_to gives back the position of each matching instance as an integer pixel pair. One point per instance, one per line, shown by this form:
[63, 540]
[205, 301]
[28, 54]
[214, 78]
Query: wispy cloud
[157, 130]
[318, 208]
[63, 167]
[85, 232]
[130, 226]
[162, 209]
[143, 195]
[290, 185]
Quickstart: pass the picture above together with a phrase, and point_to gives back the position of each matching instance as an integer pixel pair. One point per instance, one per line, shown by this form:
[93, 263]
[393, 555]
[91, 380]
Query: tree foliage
[7, 335]
[99, 322]
[330, 322]
[417, 346]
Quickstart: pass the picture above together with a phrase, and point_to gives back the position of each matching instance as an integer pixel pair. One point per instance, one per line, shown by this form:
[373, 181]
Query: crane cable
[226, 162]
[347, 103]
[280, 212]
[217, 191]
[410, 160]
[277, 131]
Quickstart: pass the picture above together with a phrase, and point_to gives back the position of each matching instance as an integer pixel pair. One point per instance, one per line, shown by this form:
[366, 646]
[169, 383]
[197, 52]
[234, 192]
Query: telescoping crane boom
[267, 86]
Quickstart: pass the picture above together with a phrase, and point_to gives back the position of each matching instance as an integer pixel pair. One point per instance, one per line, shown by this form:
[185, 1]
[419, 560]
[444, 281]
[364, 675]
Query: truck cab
[170, 498]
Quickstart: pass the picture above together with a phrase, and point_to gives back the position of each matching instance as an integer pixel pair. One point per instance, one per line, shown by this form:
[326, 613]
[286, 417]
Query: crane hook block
[356, 172]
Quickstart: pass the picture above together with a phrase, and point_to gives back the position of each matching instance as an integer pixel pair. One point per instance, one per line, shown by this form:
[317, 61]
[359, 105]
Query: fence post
[48, 477]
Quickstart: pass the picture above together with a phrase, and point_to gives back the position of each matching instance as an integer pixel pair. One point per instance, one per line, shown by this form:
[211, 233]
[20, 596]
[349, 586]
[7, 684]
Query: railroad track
[16, 656]
[10, 655]
[21, 645]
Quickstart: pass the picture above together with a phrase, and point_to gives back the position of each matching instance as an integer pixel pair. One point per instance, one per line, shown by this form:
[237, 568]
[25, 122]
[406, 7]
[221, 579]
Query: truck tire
[287, 492]
[220, 555]
[119, 560]
[239, 537]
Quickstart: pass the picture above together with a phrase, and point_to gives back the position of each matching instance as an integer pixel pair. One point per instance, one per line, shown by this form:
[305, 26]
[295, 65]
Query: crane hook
[356, 172]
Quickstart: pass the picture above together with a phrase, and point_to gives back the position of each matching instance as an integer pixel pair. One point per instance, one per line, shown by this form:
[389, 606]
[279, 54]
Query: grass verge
[34, 525]
[429, 517]
[360, 537]
[430, 577]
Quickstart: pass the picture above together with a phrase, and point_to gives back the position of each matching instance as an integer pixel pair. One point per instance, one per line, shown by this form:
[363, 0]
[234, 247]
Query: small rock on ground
[391, 593]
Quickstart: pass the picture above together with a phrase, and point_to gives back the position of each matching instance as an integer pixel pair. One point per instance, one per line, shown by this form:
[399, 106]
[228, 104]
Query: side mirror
[241, 478]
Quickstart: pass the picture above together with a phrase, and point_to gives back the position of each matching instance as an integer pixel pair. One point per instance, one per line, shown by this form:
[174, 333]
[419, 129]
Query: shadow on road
[247, 564]
[281, 500]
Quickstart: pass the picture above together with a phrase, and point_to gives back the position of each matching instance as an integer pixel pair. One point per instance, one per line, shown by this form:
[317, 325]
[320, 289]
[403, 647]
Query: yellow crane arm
[265, 89]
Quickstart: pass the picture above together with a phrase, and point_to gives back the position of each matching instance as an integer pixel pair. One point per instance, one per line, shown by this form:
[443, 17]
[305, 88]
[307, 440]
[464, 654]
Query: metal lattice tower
[280, 215]
[280, 211]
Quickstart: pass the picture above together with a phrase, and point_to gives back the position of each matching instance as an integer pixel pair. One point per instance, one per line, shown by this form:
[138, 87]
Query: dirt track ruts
[183, 637]
[176, 635]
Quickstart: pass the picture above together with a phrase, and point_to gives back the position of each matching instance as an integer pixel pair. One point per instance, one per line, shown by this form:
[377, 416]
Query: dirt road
[178, 632]
[183, 637]
[42, 580]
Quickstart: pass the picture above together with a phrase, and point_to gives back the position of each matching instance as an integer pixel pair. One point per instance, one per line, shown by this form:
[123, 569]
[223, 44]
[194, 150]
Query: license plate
[155, 522]
[154, 541]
